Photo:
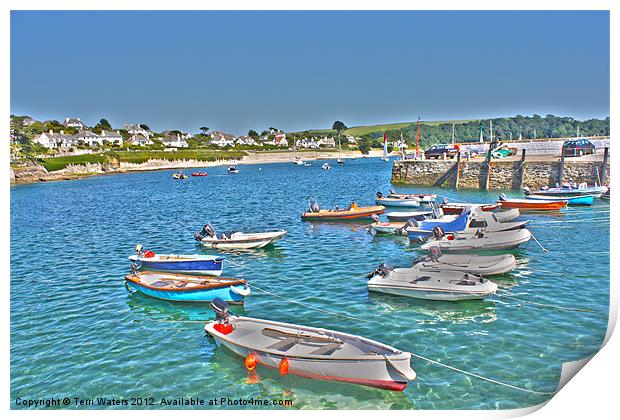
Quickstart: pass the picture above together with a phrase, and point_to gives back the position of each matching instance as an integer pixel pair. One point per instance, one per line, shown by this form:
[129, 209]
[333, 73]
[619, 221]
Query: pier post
[519, 172]
[603, 170]
[561, 169]
[457, 175]
[485, 172]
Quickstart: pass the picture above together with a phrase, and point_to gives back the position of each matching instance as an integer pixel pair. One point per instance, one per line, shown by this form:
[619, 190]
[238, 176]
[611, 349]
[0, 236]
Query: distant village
[72, 134]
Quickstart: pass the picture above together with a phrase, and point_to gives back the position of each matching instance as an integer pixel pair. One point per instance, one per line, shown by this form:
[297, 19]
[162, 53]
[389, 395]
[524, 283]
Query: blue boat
[185, 288]
[205, 265]
[578, 200]
[450, 224]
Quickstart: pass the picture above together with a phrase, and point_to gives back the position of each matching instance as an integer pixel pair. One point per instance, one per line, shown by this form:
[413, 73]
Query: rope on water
[564, 308]
[539, 244]
[549, 222]
[484, 378]
[464, 372]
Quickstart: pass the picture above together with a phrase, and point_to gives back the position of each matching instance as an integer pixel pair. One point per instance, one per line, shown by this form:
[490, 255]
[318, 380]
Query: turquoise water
[77, 332]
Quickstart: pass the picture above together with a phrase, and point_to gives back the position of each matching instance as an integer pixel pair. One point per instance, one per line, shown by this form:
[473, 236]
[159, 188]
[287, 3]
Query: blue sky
[236, 71]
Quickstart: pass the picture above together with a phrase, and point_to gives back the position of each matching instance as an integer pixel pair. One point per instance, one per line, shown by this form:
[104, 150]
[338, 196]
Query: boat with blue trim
[576, 200]
[186, 288]
[569, 190]
[205, 265]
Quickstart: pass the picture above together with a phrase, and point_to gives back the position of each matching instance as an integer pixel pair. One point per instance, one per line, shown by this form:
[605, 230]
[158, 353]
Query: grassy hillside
[379, 128]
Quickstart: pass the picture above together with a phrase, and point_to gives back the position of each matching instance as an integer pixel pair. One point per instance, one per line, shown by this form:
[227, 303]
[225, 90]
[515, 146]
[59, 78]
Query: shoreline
[70, 173]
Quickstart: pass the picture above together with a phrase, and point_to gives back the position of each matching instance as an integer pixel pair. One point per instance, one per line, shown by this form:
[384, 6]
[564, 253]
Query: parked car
[578, 148]
[438, 150]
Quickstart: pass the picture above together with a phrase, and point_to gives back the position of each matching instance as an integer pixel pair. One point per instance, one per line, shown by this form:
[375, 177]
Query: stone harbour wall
[503, 174]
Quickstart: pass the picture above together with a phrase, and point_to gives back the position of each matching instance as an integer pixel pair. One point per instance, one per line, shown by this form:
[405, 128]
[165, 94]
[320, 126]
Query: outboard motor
[435, 209]
[527, 191]
[138, 250]
[392, 192]
[502, 197]
[379, 194]
[438, 233]
[382, 270]
[221, 310]
[207, 230]
[134, 268]
[434, 253]
[375, 218]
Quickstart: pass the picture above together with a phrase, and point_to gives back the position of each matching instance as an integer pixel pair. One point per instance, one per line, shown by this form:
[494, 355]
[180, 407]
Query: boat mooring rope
[464, 372]
[539, 244]
[564, 308]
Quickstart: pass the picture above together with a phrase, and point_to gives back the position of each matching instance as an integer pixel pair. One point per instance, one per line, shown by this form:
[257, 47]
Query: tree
[105, 124]
[253, 134]
[145, 127]
[339, 127]
[204, 130]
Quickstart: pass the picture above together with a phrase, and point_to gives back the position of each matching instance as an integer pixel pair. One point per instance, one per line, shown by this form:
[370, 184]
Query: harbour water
[77, 332]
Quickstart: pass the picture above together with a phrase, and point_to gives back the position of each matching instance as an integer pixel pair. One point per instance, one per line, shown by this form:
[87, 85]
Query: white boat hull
[243, 241]
[427, 294]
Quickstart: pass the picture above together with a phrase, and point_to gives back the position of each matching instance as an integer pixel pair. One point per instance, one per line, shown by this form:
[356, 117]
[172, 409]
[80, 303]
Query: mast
[452, 133]
[417, 140]
[491, 129]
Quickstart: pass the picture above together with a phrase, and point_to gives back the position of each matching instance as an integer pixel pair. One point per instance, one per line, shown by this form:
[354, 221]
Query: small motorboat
[200, 174]
[436, 285]
[479, 241]
[526, 204]
[607, 194]
[326, 166]
[388, 228]
[352, 212]
[457, 208]
[397, 202]
[573, 200]
[204, 265]
[310, 352]
[403, 216]
[482, 265]
[232, 169]
[340, 161]
[186, 288]
[179, 175]
[306, 164]
[298, 161]
[571, 190]
[422, 198]
[236, 240]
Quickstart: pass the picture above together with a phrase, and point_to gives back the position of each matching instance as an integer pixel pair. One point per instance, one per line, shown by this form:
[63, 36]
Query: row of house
[53, 140]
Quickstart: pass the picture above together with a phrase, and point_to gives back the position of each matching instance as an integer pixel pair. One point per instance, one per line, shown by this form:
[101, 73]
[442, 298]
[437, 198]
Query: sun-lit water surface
[76, 331]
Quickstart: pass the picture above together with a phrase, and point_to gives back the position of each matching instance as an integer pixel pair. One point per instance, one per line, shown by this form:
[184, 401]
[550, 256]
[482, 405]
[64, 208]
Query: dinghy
[482, 265]
[567, 190]
[422, 198]
[204, 265]
[185, 288]
[388, 228]
[352, 212]
[457, 208]
[573, 200]
[326, 166]
[403, 216]
[309, 352]
[525, 204]
[236, 240]
[480, 241]
[403, 201]
[232, 169]
[438, 285]
[200, 174]
[179, 175]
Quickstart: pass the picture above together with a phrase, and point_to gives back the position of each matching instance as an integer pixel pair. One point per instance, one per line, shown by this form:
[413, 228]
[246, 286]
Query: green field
[207, 155]
[361, 130]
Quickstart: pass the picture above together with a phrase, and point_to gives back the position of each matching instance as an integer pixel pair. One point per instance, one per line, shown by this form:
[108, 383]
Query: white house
[326, 142]
[140, 140]
[221, 139]
[352, 139]
[89, 138]
[247, 141]
[28, 121]
[112, 137]
[137, 130]
[73, 122]
[174, 141]
[53, 140]
[280, 140]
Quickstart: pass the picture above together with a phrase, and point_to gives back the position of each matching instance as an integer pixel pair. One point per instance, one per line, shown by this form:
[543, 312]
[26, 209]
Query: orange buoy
[250, 362]
[283, 366]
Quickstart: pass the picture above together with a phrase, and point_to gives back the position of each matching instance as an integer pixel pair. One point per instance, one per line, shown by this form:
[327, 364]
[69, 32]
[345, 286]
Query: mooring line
[464, 372]
[539, 244]
[564, 308]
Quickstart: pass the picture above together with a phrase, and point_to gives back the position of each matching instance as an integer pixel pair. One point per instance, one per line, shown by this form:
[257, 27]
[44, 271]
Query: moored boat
[352, 212]
[310, 352]
[568, 190]
[205, 265]
[232, 169]
[397, 202]
[200, 173]
[326, 166]
[403, 216]
[437, 285]
[457, 208]
[236, 240]
[480, 241]
[573, 200]
[387, 228]
[186, 288]
[525, 204]
[179, 175]
[483, 265]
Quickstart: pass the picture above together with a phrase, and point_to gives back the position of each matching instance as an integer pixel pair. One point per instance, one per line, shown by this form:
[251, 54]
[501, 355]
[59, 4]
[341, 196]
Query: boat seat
[160, 283]
[326, 349]
[284, 345]
[423, 278]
